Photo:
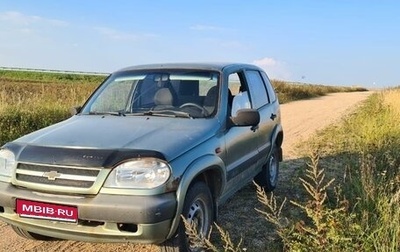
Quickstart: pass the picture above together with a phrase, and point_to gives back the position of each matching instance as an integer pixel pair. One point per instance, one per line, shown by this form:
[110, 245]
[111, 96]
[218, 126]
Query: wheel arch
[208, 169]
[277, 139]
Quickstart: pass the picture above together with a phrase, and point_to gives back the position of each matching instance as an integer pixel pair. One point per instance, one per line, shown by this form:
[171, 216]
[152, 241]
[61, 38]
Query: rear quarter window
[269, 87]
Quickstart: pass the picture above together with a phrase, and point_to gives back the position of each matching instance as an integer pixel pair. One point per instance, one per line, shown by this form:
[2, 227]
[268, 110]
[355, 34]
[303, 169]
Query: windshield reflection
[187, 94]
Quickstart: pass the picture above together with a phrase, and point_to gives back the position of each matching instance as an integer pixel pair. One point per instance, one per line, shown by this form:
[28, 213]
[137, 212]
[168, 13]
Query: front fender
[197, 167]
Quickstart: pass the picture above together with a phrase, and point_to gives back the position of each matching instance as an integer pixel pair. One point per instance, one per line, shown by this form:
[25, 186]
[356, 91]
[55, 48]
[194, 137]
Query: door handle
[273, 116]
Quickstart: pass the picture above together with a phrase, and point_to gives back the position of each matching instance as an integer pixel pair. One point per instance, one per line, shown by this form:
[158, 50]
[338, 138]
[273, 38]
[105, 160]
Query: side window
[270, 89]
[235, 84]
[257, 89]
[239, 98]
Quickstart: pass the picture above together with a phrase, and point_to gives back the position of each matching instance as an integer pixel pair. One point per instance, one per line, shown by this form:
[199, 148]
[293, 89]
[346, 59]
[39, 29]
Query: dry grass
[28, 104]
[299, 91]
[391, 98]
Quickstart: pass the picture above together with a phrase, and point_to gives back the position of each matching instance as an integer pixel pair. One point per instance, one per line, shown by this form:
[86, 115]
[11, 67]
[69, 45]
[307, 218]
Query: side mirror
[75, 110]
[246, 117]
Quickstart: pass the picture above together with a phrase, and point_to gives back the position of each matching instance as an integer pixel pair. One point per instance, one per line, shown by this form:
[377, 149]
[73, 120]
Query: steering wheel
[190, 104]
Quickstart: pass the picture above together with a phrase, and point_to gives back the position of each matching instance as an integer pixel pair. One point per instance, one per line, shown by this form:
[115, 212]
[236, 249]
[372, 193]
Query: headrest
[211, 97]
[163, 97]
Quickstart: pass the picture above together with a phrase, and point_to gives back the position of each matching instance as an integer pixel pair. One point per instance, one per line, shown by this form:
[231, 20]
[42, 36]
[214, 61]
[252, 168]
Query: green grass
[45, 77]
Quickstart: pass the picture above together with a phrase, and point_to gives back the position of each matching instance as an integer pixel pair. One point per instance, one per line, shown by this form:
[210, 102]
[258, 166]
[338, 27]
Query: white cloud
[266, 62]
[274, 68]
[19, 28]
[20, 19]
[200, 27]
[121, 35]
[17, 18]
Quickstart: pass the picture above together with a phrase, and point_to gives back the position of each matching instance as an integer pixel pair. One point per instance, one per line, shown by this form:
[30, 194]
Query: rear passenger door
[242, 153]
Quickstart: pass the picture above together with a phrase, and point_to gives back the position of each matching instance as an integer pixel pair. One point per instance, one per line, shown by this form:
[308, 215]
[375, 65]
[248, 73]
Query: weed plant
[321, 228]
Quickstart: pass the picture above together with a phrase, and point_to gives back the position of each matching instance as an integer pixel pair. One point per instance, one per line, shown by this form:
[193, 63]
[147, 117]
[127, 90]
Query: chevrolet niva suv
[152, 143]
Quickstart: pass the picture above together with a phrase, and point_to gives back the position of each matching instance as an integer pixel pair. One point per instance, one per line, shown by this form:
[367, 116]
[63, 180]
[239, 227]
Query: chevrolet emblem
[51, 175]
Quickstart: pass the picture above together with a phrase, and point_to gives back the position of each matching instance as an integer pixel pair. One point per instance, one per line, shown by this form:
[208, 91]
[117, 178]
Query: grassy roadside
[288, 92]
[364, 149]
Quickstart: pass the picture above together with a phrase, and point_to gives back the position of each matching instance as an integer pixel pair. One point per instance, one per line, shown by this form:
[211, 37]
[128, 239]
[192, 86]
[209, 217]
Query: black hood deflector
[77, 156]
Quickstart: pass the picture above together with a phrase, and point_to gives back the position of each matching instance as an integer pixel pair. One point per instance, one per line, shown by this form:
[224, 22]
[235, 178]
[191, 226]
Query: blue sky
[320, 42]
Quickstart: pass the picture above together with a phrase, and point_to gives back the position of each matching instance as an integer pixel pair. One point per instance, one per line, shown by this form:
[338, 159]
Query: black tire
[268, 177]
[199, 208]
[30, 235]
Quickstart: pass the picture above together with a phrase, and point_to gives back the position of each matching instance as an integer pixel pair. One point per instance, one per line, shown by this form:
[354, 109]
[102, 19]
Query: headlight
[7, 162]
[143, 173]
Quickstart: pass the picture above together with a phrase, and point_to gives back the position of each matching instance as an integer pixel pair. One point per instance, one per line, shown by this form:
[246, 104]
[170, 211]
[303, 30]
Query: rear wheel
[268, 177]
[30, 235]
[198, 209]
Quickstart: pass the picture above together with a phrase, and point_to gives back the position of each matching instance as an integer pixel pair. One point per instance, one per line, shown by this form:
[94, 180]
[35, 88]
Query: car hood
[169, 136]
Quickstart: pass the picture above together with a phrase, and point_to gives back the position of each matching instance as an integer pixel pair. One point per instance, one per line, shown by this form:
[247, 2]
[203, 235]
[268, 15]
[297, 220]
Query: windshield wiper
[167, 113]
[114, 113]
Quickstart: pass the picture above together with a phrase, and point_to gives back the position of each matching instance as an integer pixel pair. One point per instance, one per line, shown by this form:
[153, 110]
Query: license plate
[42, 210]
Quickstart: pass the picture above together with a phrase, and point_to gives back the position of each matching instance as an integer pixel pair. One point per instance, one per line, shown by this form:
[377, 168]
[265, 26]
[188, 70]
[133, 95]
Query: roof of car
[216, 66]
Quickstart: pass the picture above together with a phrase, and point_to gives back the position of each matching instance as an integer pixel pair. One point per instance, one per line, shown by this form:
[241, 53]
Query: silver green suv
[152, 143]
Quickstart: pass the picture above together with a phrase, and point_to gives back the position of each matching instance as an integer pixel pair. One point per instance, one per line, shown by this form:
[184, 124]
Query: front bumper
[102, 217]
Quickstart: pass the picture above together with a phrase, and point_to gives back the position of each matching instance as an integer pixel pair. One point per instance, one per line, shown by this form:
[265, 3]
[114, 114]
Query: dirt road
[300, 119]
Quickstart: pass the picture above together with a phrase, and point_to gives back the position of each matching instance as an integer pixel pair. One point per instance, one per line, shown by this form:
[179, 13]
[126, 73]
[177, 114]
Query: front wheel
[198, 209]
[268, 177]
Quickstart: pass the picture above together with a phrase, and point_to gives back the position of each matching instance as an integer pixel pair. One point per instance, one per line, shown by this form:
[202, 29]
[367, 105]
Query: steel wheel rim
[198, 216]
[273, 170]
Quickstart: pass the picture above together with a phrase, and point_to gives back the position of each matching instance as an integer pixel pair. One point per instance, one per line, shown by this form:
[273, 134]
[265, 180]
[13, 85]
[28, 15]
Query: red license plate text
[41, 210]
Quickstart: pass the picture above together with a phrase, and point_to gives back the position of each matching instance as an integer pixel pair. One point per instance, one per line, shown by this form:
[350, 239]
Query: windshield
[183, 93]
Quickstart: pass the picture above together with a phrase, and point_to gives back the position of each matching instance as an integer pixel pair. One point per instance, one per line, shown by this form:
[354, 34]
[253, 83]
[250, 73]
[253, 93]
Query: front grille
[56, 175]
